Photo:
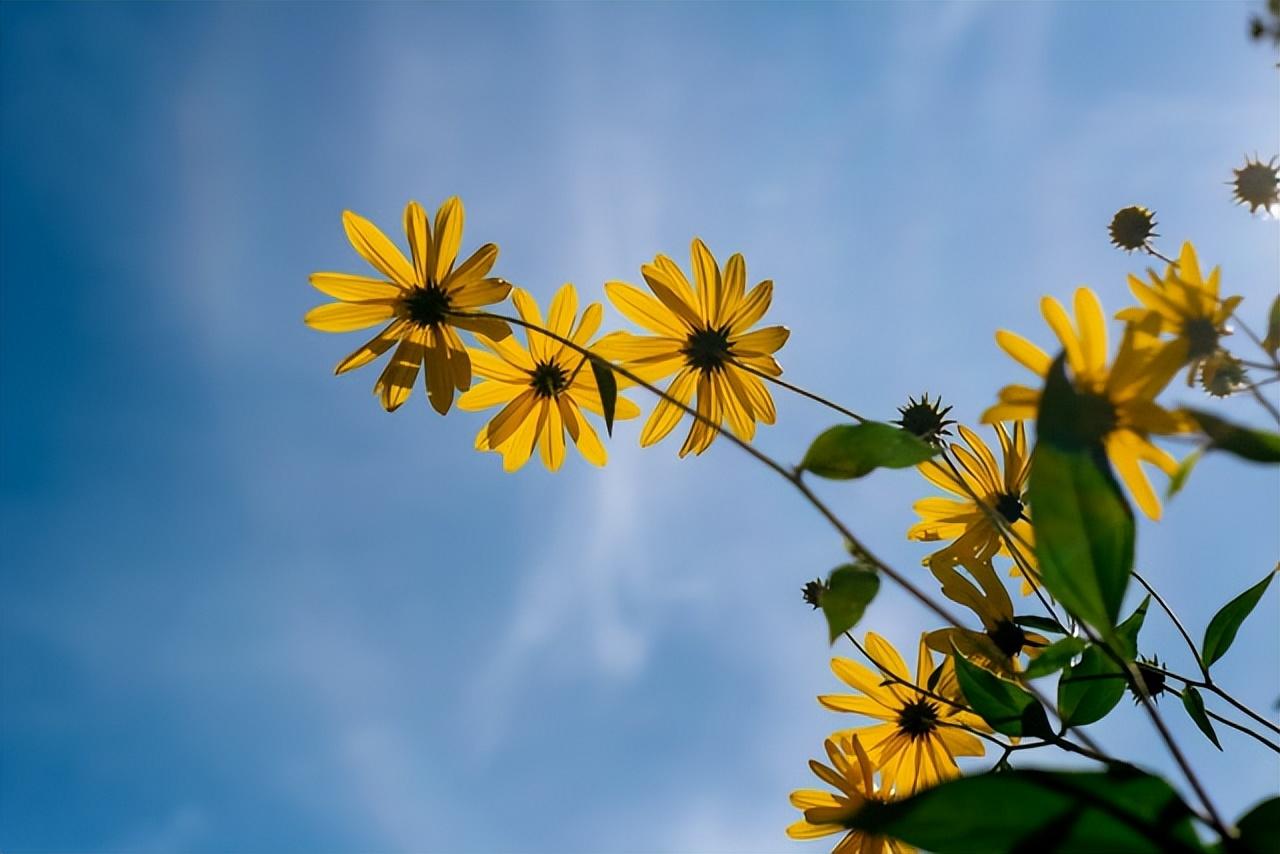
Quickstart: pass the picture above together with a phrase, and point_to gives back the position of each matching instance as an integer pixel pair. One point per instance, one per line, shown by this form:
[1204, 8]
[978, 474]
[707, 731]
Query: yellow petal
[1024, 352]
[667, 415]
[439, 373]
[551, 440]
[671, 293]
[379, 344]
[347, 316]
[752, 308]
[508, 420]
[639, 307]
[1122, 456]
[415, 226]
[584, 435]
[529, 312]
[761, 342]
[706, 427]
[473, 270]
[487, 327]
[1093, 330]
[375, 248]
[761, 401]
[487, 394]
[564, 308]
[479, 292]
[516, 452]
[735, 284]
[706, 277]
[1060, 323]
[396, 382]
[344, 286]
[588, 325]
[448, 237]
[627, 347]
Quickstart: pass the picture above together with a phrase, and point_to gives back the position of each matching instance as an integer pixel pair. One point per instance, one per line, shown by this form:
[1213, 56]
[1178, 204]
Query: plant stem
[1220, 719]
[800, 391]
[1176, 622]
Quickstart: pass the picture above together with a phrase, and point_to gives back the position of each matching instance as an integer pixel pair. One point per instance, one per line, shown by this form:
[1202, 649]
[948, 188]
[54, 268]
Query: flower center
[918, 718]
[1010, 507]
[707, 349]
[549, 379]
[925, 418]
[426, 306]
[1202, 337]
[1008, 637]
[1095, 417]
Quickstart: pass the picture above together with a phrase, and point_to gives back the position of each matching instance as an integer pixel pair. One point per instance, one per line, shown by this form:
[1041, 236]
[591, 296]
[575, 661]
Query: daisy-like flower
[418, 298]
[1119, 400]
[976, 529]
[852, 775]
[543, 389]
[1188, 306]
[1001, 640]
[917, 744]
[700, 335]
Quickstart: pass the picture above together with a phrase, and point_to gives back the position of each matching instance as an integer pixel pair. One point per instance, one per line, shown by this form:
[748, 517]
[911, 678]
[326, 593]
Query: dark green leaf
[1090, 689]
[1271, 343]
[1055, 656]
[1179, 478]
[1044, 624]
[1006, 706]
[1222, 629]
[853, 450]
[1084, 527]
[608, 385]
[1260, 829]
[1119, 810]
[1194, 704]
[1261, 446]
[850, 590]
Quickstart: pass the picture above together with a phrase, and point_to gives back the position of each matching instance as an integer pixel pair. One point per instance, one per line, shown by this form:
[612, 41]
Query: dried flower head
[925, 418]
[1133, 227]
[1258, 185]
[1222, 375]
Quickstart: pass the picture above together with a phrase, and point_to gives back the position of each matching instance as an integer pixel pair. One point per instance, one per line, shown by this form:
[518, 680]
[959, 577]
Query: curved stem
[1217, 690]
[817, 398]
[1176, 622]
[1240, 727]
[1275, 360]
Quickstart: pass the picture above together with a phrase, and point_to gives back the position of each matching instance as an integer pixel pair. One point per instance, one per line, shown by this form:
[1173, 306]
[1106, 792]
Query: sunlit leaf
[1222, 629]
[1055, 656]
[1090, 689]
[1271, 343]
[1118, 810]
[1084, 527]
[1179, 477]
[849, 451]
[849, 591]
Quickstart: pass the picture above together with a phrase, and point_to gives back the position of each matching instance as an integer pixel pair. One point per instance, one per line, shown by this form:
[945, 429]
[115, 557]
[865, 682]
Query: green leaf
[1222, 629]
[1194, 704]
[1055, 656]
[849, 591]
[1007, 707]
[1259, 828]
[1179, 478]
[1118, 810]
[1260, 446]
[1084, 527]
[852, 450]
[1090, 689]
[1044, 624]
[608, 385]
[1271, 343]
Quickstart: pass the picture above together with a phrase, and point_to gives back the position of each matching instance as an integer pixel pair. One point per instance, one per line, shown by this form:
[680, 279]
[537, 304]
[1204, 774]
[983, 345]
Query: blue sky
[243, 609]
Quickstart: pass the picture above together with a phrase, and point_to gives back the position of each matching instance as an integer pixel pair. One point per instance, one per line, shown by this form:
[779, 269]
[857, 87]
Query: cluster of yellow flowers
[701, 332]
[702, 335]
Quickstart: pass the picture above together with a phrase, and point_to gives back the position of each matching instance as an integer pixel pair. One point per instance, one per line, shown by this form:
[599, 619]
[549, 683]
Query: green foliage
[1259, 829]
[849, 591]
[1194, 704]
[849, 451]
[1118, 810]
[1089, 690]
[1222, 629]
[1084, 527]
[1179, 478]
[1260, 446]
[1272, 342]
[608, 384]
[1055, 656]
[1008, 708]
[1042, 624]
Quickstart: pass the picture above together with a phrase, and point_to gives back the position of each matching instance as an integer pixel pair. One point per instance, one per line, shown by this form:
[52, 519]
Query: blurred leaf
[1084, 527]
[852, 450]
[1259, 446]
[608, 385]
[850, 590]
[1259, 828]
[1222, 629]
[1089, 690]
[1194, 704]
[1118, 810]
[1007, 707]
[1271, 343]
[1179, 478]
[1044, 624]
[1055, 656]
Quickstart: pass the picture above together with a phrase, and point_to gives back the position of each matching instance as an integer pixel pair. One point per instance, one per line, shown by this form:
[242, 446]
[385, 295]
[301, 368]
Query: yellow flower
[702, 338]
[851, 773]
[416, 297]
[973, 528]
[920, 738]
[1121, 399]
[544, 388]
[1001, 640]
[1188, 306]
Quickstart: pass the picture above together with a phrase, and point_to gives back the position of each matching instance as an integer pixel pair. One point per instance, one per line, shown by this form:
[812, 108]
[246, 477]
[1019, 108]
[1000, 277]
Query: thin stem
[1275, 360]
[1191, 645]
[1266, 404]
[1240, 727]
[817, 398]
[1151, 250]
[1262, 366]
[1216, 689]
